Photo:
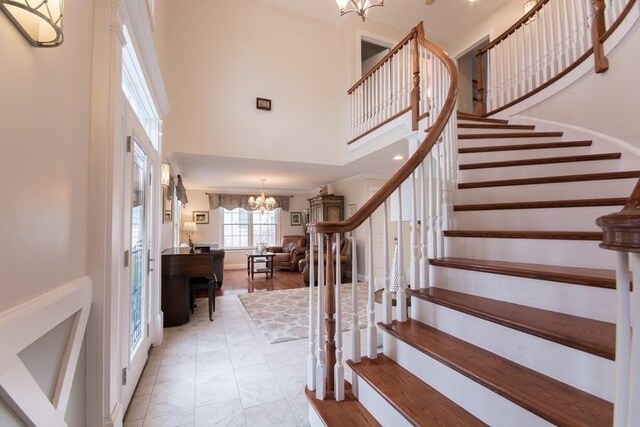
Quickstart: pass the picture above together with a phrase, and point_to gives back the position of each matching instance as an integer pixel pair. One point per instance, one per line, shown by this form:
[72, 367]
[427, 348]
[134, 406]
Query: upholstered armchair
[289, 252]
[345, 257]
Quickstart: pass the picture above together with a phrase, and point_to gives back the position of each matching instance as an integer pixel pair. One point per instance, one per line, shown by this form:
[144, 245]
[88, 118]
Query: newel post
[480, 82]
[598, 28]
[330, 321]
[415, 91]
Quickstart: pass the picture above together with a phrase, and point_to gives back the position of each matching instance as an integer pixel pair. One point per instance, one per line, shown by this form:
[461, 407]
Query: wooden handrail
[525, 18]
[414, 161]
[388, 56]
[621, 230]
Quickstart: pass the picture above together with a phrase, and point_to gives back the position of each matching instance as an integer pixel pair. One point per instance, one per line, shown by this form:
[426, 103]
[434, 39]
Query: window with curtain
[245, 229]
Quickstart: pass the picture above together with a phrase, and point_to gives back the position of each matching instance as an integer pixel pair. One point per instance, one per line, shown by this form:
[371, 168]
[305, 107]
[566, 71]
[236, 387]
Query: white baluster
[372, 330]
[567, 28]
[311, 360]
[623, 341]
[355, 327]
[413, 236]
[531, 68]
[386, 295]
[585, 14]
[431, 235]
[339, 368]
[576, 40]
[321, 390]
[557, 25]
[510, 76]
[523, 60]
[634, 370]
[424, 202]
[553, 40]
[401, 301]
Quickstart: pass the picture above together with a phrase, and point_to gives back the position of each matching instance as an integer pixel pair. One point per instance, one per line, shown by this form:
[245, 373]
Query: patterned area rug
[283, 315]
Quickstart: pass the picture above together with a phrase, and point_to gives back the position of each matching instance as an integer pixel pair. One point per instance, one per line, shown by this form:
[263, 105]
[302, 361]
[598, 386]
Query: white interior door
[138, 239]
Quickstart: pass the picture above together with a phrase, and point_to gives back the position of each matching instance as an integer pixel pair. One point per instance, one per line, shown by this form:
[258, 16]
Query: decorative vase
[261, 248]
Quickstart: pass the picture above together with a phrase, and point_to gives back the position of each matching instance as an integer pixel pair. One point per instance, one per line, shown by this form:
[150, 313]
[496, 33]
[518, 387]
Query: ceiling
[228, 174]
[444, 19]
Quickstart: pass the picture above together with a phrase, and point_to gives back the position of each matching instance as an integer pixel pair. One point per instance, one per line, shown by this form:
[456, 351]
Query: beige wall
[607, 103]
[45, 105]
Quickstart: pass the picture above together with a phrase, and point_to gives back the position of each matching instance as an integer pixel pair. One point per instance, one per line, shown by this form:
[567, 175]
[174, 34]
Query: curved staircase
[517, 327]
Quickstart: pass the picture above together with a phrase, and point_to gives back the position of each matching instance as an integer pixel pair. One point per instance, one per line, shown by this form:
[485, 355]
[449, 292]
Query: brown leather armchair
[345, 255]
[289, 252]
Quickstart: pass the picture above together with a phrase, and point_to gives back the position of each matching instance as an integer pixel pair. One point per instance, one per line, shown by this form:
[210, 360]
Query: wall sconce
[39, 21]
[166, 174]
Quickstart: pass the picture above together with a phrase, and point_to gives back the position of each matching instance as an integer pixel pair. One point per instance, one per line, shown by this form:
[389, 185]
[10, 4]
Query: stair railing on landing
[543, 46]
[433, 167]
[621, 233]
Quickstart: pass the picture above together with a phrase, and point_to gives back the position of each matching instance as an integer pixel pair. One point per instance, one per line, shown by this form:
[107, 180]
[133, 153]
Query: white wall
[607, 103]
[465, 85]
[212, 232]
[45, 105]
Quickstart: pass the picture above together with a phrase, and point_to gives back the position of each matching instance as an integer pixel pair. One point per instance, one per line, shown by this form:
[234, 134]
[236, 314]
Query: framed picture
[296, 218]
[201, 217]
[168, 217]
[352, 209]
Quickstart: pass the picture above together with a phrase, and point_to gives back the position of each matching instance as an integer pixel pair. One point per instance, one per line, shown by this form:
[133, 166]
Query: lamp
[189, 229]
[39, 21]
[360, 7]
[166, 174]
[261, 202]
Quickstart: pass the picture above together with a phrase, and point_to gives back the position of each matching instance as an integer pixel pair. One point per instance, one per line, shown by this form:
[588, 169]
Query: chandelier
[261, 202]
[360, 7]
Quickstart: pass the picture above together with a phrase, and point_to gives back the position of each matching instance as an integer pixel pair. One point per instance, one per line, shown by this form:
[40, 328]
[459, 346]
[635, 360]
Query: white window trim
[240, 248]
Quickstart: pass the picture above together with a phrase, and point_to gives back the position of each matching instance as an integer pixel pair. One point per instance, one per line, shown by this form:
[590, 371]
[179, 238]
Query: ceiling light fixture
[39, 21]
[398, 157]
[359, 7]
[261, 202]
[528, 5]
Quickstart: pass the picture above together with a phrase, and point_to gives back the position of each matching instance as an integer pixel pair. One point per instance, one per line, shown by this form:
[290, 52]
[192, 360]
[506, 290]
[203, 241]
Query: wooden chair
[199, 283]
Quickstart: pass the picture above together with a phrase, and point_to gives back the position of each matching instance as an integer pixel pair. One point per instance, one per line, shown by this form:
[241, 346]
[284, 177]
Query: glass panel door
[139, 257]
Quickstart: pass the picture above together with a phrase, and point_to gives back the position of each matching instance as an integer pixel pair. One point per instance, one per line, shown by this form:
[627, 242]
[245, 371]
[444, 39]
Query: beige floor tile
[170, 414]
[138, 408]
[228, 414]
[276, 413]
[240, 360]
[253, 373]
[215, 392]
[261, 392]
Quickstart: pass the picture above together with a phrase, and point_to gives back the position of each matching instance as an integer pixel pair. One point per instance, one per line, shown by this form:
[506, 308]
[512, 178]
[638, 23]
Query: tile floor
[221, 373]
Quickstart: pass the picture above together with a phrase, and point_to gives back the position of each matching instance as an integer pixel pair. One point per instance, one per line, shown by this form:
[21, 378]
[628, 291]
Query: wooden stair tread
[515, 147]
[575, 275]
[481, 119]
[523, 234]
[588, 335]
[419, 403]
[541, 161]
[509, 135]
[550, 399]
[494, 126]
[545, 204]
[347, 412]
[551, 179]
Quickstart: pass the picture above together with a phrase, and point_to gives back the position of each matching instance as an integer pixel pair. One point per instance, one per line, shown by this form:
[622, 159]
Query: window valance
[181, 192]
[233, 201]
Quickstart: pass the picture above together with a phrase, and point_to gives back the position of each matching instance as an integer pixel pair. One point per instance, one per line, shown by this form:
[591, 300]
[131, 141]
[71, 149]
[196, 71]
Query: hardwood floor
[237, 282]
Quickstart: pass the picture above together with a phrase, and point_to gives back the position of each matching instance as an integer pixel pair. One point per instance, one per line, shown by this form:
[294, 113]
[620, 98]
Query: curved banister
[621, 230]
[394, 50]
[414, 161]
[522, 21]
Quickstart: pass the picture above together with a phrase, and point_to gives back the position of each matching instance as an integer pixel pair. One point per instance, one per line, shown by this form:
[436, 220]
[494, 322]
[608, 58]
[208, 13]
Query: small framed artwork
[167, 217]
[263, 104]
[352, 209]
[296, 218]
[201, 217]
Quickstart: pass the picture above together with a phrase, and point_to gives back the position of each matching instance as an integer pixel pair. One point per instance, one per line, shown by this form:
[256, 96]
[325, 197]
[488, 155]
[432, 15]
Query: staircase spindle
[401, 302]
[386, 294]
[634, 369]
[321, 375]
[330, 313]
[424, 200]
[372, 330]
[413, 240]
[339, 367]
[311, 360]
[623, 341]
[355, 327]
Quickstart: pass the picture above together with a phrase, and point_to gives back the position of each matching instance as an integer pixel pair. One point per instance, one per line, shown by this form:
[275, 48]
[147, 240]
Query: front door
[138, 235]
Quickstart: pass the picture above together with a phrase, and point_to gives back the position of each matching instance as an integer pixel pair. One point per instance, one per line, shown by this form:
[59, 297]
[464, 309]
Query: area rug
[283, 315]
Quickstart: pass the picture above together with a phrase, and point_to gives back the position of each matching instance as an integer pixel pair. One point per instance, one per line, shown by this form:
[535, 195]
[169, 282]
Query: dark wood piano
[178, 267]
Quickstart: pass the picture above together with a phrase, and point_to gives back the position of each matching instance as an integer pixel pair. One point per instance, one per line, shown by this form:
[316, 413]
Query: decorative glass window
[245, 229]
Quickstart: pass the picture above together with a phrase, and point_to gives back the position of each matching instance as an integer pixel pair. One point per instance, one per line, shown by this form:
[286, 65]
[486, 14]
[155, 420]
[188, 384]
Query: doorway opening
[467, 72]
[371, 52]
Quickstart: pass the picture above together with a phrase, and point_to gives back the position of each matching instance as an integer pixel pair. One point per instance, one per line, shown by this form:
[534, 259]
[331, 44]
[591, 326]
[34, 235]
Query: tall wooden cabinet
[326, 208]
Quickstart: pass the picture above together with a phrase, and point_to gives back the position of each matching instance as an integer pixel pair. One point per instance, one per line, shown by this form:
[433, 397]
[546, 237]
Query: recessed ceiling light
[398, 157]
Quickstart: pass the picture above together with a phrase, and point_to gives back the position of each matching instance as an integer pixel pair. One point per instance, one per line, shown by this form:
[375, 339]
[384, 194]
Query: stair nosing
[541, 161]
[519, 326]
[520, 234]
[480, 125]
[544, 204]
[316, 404]
[484, 381]
[551, 179]
[523, 147]
[474, 118]
[510, 135]
[574, 279]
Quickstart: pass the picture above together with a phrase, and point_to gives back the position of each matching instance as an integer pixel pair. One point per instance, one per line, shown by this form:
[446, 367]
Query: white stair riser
[555, 191]
[483, 142]
[579, 369]
[533, 171]
[484, 404]
[571, 253]
[577, 300]
[498, 156]
[567, 219]
[377, 405]
[314, 419]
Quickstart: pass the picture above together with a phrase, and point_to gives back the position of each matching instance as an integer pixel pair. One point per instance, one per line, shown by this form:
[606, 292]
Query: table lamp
[189, 229]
